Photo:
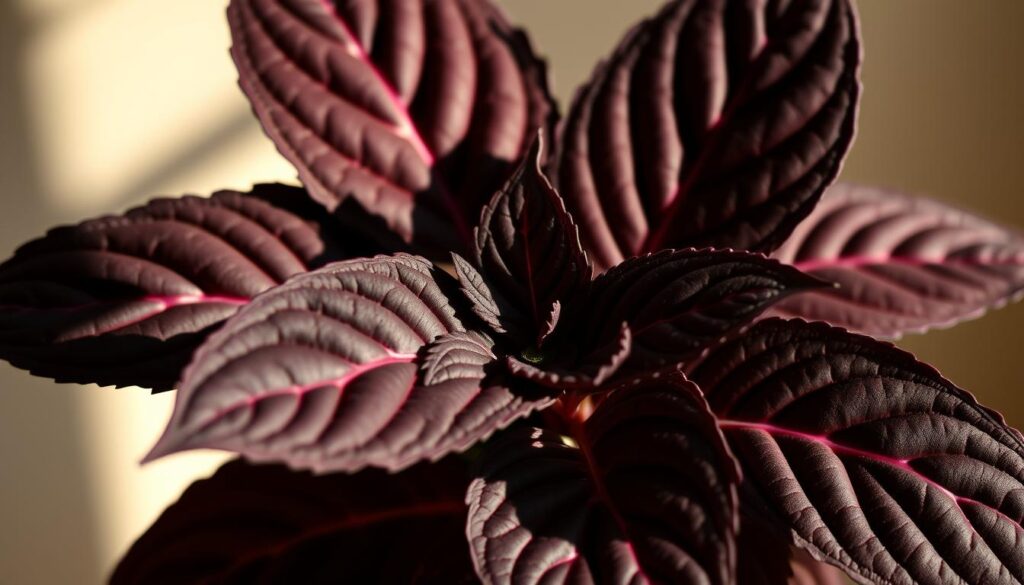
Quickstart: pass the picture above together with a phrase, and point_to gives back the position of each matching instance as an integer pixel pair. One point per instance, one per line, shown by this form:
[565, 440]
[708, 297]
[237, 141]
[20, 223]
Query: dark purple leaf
[123, 300]
[267, 524]
[588, 373]
[359, 363]
[716, 123]
[481, 298]
[416, 110]
[677, 302]
[869, 457]
[767, 558]
[529, 256]
[643, 492]
[904, 264]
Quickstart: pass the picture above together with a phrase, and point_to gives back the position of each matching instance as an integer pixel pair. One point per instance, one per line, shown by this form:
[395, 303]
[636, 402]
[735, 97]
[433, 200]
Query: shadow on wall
[44, 521]
[63, 448]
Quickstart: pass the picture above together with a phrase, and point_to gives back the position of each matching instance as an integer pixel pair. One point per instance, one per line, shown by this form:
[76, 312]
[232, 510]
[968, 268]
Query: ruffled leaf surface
[359, 363]
[267, 524]
[715, 123]
[903, 264]
[529, 255]
[415, 110]
[869, 457]
[643, 492]
[124, 300]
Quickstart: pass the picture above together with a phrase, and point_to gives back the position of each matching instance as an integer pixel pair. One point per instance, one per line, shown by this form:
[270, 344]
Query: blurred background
[107, 103]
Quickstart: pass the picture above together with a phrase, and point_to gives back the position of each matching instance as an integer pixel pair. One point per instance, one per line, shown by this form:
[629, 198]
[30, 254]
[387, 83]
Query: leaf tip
[168, 444]
[807, 281]
[813, 282]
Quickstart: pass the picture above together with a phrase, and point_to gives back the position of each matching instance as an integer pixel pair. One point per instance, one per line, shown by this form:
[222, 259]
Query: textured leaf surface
[644, 492]
[416, 109]
[324, 373]
[870, 457]
[677, 302]
[904, 264]
[267, 524]
[123, 300]
[716, 123]
[529, 255]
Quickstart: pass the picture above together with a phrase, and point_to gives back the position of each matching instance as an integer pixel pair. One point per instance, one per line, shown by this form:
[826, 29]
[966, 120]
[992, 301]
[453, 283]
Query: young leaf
[415, 110]
[643, 492]
[267, 524]
[714, 124]
[869, 457]
[586, 374]
[359, 363]
[124, 300]
[676, 302]
[528, 253]
[904, 264]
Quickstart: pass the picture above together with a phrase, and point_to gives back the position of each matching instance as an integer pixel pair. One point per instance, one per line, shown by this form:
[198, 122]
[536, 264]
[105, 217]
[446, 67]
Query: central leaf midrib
[840, 449]
[406, 129]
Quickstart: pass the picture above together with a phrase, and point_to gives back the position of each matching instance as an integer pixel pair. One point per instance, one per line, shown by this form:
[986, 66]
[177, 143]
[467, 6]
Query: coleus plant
[608, 379]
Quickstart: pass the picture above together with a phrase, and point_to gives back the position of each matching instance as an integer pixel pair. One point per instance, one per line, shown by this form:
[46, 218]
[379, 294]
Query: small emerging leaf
[903, 264]
[416, 110]
[715, 123]
[588, 373]
[267, 524]
[124, 300]
[645, 493]
[360, 363]
[529, 256]
[870, 458]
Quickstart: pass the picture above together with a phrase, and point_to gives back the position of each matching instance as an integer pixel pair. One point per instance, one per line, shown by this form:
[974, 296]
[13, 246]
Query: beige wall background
[107, 103]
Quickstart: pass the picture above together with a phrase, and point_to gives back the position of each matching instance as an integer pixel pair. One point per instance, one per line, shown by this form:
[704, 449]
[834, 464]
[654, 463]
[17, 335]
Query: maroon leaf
[643, 492]
[677, 302]
[359, 363]
[588, 373]
[767, 558]
[870, 457]
[716, 123]
[123, 300]
[528, 253]
[415, 110]
[904, 264]
[267, 524]
[481, 298]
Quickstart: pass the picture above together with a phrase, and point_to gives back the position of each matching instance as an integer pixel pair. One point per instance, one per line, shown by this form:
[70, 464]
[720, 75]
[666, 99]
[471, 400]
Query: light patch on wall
[119, 86]
[118, 428]
[246, 158]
